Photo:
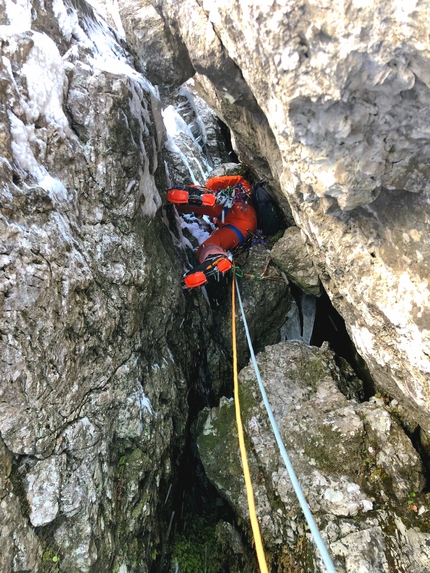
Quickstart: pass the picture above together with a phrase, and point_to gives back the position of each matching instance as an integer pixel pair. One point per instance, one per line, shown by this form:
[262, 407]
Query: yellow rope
[246, 474]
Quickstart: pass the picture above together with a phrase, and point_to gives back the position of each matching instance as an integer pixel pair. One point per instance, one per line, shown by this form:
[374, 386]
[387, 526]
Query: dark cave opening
[226, 134]
[198, 506]
[424, 454]
[330, 326]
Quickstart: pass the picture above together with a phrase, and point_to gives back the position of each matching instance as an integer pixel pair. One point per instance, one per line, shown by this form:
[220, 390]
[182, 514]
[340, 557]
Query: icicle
[168, 494]
[170, 524]
[300, 321]
[308, 304]
[292, 330]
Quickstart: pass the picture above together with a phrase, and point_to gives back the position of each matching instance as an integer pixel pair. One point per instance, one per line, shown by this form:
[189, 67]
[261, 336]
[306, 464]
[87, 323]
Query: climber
[227, 200]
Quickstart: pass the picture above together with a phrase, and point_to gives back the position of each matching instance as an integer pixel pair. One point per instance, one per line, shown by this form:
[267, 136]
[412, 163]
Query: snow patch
[45, 98]
[141, 400]
[68, 22]
[55, 188]
[150, 192]
[19, 15]
[108, 54]
[195, 228]
[22, 136]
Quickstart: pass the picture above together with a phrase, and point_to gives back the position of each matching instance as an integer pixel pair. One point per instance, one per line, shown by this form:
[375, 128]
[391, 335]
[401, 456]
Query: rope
[240, 274]
[246, 473]
[294, 481]
[261, 277]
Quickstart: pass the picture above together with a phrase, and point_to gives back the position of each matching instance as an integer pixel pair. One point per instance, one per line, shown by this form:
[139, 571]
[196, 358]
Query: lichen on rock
[355, 464]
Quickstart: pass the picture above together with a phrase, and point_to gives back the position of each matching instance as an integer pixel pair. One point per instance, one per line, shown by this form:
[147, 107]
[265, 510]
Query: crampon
[212, 266]
[191, 196]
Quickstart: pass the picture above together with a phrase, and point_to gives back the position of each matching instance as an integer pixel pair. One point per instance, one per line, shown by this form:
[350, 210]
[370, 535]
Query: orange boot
[213, 265]
[191, 196]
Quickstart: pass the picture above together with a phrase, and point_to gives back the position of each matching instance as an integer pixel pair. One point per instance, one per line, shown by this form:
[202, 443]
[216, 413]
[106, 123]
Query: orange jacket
[241, 215]
[219, 183]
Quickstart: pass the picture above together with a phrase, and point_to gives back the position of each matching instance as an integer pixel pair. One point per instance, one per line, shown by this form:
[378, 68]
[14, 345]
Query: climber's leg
[213, 258]
[213, 265]
[224, 237]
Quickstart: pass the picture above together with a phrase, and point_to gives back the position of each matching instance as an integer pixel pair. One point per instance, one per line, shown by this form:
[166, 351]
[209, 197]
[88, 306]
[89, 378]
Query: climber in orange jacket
[227, 200]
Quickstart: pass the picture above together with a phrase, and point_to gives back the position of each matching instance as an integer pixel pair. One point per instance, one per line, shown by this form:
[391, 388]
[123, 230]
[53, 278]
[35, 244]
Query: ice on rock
[300, 319]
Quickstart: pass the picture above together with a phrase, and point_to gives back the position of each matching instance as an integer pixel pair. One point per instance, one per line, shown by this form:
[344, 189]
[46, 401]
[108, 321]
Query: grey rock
[290, 254]
[266, 299]
[43, 489]
[161, 55]
[20, 548]
[355, 464]
[331, 109]
[95, 353]
[97, 339]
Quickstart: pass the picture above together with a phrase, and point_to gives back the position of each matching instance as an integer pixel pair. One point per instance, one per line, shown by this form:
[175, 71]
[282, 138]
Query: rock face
[290, 254]
[356, 466]
[100, 346]
[330, 105]
[266, 301]
[86, 375]
[95, 363]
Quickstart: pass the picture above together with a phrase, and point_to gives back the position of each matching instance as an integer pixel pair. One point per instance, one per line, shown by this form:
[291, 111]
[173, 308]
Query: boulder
[289, 254]
[361, 475]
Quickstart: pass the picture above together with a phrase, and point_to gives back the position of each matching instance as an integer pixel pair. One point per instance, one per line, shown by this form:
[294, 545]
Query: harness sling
[239, 234]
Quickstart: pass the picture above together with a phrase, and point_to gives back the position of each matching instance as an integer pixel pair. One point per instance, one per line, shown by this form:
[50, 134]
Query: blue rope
[304, 505]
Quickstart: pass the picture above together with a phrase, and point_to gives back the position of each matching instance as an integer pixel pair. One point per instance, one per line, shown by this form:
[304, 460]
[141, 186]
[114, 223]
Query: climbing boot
[213, 265]
[191, 196]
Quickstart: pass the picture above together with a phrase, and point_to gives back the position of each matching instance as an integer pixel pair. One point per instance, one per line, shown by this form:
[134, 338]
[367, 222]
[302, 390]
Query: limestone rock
[228, 169]
[290, 255]
[162, 56]
[43, 489]
[355, 464]
[97, 339]
[96, 343]
[330, 105]
[24, 553]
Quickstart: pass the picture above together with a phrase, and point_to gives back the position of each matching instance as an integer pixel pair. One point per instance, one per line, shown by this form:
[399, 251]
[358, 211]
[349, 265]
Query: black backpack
[269, 216]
